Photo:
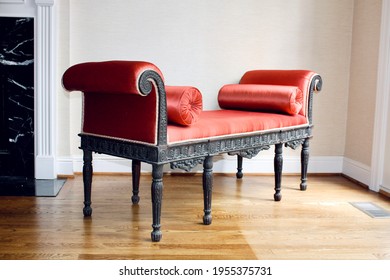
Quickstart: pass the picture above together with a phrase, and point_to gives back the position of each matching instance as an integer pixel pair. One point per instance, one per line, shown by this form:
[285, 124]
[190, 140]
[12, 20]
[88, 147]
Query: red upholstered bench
[128, 112]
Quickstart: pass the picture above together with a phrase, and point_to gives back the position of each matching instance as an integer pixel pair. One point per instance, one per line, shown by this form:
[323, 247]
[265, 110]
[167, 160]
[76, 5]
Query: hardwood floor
[247, 224]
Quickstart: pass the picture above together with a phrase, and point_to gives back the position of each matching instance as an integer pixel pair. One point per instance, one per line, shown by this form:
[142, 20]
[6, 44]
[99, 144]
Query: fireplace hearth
[23, 186]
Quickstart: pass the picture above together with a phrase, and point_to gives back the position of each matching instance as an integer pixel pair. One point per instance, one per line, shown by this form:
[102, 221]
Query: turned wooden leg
[207, 188]
[278, 166]
[135, 171]
[157, 189]
[87, 179]
[304, 164]
[239, 173]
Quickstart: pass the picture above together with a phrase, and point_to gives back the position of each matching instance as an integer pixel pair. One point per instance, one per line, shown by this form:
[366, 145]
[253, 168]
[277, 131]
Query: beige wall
[63, 62]
[210, 43]
[363, 79]
[386, 171]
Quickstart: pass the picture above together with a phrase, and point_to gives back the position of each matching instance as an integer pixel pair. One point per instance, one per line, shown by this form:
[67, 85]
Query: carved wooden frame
[188, 155]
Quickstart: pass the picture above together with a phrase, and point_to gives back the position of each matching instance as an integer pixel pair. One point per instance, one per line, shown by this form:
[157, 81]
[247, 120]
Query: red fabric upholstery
[124, 116]
[227, 123]
[106, 77]
[265, 98]
[112, 104]
[114, 108]
[184, 104]
[298, 78]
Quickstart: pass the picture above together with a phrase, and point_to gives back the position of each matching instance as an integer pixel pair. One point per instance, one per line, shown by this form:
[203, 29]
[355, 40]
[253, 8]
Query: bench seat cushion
[228, 123]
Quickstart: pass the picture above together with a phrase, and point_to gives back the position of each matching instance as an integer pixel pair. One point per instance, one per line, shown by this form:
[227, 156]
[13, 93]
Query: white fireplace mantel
[45, 65]
[45, 97]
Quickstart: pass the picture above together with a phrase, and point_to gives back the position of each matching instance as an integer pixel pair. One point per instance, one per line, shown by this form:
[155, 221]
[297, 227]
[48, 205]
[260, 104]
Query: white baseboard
[357, 171]
[291, 165]
[65, 166]
[261, 165]
[385, 188]
[104, 164]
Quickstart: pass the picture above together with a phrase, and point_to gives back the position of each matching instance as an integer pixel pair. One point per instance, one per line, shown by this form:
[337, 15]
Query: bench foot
[157, 189]
[304, 164]
[239, 173]
[87, 179]
[135, 171]
[277, 196]
[278, 166]
[87, 210]
[207, 188]
[156, 235]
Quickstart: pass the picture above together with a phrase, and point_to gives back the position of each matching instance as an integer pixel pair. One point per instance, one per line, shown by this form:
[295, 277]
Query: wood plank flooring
[247, 224]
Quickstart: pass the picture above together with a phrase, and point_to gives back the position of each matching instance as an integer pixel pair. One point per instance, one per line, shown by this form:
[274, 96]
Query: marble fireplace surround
[45, 98]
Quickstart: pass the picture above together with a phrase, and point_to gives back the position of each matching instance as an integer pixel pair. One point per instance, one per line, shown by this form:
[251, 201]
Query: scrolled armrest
[118, 92]
[124, 77]
[317, 83]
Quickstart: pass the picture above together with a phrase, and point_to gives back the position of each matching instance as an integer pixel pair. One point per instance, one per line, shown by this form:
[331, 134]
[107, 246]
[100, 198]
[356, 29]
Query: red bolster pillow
[184, 104]
[269, 98]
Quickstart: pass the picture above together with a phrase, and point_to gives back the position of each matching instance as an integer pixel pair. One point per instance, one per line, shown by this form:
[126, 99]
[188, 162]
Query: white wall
[380, 174]
[208, 43]
[363, 79]
[386, 169]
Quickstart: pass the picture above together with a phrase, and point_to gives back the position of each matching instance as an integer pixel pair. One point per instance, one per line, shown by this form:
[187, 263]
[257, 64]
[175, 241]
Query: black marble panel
[16, 100]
